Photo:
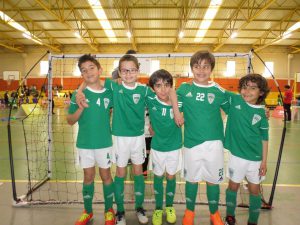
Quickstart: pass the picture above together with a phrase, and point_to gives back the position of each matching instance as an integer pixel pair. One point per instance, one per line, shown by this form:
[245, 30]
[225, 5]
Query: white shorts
[204, 162]
[125, 148]
[239, 168]
[90, 157]
[165, 161]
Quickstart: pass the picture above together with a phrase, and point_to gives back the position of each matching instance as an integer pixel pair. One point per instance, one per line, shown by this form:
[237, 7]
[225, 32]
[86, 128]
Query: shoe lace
[158, 212]
[171, 210]
[141, 211]
[84, 217]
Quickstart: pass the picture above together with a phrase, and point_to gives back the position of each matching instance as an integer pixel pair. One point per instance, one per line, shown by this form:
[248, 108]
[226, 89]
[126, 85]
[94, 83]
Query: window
[76, 72]
[155, 64]
[230, 69]
[44, 67]
[269, 69]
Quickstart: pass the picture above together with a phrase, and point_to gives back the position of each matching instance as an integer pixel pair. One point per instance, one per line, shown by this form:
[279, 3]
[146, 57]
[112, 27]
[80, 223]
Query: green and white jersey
[201, 106]
[246, 128]
[167, 135]
[129, 108]
[94, 123]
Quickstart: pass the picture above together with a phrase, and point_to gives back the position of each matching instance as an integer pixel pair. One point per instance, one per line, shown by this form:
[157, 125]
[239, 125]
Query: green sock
[213, 197]
[119, 193]
[254, 208]
[191, 190]
[158, 191]
[139, 190]
[230, 202]
[170, 191]
[108, 191]
[88, 194]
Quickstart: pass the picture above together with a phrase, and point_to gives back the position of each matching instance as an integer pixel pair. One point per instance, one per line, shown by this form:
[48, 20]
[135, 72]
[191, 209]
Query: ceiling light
[76, 34]
[233, 35]
[181, 34]
[296, 26]
[128, 34]
[102, 18]
[19, 27]
[208, 18]
[28, 36]
[286, 36]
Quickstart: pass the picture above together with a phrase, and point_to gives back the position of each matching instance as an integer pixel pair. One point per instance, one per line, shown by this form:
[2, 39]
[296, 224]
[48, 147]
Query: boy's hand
[263, 169]
[80, 100]
[178, 118]
[151, 131]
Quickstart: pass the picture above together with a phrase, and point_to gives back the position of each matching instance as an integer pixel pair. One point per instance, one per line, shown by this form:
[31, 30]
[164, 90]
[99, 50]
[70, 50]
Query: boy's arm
[80, 97]
[73, 118]
[177, 115]
[263, 165]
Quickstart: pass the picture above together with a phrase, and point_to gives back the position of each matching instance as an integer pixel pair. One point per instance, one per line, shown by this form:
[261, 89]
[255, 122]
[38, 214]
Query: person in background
[6, 99]
[287, 101]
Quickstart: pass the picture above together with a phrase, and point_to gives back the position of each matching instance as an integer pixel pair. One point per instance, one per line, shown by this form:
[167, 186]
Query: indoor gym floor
[285, 205]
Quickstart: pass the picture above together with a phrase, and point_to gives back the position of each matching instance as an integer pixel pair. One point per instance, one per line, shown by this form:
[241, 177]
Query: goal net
[52, 172]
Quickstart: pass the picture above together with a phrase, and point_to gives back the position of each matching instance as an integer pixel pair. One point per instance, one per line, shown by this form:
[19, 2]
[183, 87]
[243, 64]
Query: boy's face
[90, 72]
[162, 89]
[128, 72]
[250, 92]
[202, 72]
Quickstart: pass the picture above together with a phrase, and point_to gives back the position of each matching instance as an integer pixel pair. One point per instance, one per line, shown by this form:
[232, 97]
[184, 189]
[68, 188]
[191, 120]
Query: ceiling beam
[149, 6]
[275, 33]
[12, 47]
[252, 13]
[61, 15]
[31, 26]
[122, 7]
[184, 15]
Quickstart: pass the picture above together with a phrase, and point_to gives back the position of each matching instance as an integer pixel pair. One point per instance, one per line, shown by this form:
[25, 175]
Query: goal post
[53, 177]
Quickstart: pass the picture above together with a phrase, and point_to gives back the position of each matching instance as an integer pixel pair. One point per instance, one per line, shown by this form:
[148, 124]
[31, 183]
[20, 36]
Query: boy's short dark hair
[129, 58]
[131, 51]
[261, 82]
[160, 75]
[85, 58]
[287, 86]
[203, 55]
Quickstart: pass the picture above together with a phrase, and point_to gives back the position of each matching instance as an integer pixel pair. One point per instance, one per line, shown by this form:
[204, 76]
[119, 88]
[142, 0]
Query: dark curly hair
[160, 75]
[261, 82]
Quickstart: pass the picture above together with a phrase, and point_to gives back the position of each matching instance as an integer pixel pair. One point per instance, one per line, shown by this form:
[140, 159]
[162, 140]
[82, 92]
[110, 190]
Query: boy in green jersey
[165, 145]
[246, 138]
[203, 135]
[128, 133]
[94, 140]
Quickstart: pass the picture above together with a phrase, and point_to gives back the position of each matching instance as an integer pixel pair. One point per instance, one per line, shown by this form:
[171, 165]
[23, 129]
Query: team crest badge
[256, 118]
[210, 97]
[136, 98]
[106, 102]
